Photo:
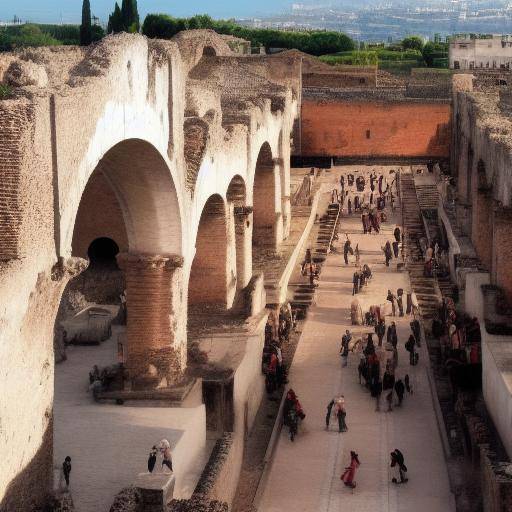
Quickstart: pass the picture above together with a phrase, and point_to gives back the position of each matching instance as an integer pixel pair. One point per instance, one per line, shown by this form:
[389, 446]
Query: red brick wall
[208, 279]
[99, 215]
[395, 129]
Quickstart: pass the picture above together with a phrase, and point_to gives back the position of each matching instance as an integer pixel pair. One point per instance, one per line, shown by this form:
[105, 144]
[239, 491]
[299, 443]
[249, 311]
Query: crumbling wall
[117, 106]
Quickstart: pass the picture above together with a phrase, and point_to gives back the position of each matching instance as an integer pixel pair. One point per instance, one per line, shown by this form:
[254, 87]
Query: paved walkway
[305, 475]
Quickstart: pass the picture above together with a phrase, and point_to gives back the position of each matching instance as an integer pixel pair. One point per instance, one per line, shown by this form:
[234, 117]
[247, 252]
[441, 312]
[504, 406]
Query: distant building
[472, 53]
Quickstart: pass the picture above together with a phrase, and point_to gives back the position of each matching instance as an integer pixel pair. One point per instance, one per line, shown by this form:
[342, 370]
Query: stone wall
[368, 128]
[117, 107]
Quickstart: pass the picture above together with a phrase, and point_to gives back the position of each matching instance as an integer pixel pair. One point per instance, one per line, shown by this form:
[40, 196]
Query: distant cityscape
[393, 20]
[371, 20]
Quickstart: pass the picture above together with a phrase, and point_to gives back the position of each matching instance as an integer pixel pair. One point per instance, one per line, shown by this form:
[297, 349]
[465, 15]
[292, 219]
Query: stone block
[156, 490]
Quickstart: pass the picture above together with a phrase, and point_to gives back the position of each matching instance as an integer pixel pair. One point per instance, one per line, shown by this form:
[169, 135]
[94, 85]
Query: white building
[492, 52]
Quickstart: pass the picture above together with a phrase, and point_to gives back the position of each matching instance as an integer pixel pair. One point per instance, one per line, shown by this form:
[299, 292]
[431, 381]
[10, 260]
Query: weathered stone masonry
[152, 124]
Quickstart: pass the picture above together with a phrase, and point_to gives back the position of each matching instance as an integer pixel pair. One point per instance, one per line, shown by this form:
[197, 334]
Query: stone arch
[266, 194]
[209, 51]
[145, 222]
[212, 276]
[241, 215]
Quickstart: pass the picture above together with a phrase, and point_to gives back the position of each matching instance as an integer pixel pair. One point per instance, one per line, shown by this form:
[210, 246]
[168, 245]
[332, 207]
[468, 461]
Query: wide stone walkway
[305, 475]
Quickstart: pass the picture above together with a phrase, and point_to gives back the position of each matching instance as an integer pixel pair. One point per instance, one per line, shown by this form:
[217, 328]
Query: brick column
[243, 221]
[151, 359]
[502, 250]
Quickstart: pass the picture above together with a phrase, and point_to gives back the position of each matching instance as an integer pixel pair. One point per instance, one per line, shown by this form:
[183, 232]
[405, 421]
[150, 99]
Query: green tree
[412, 43]
[434, 52]
[115, 21]
[86, 26]
[130, 15]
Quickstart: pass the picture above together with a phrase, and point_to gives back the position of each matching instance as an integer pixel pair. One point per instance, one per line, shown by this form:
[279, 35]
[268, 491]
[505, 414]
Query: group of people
[280, 324]
[361, 200]
[392, 249]
[164, 447]
[397, 302]
[397, 463]
[377, 370]
[460, 334]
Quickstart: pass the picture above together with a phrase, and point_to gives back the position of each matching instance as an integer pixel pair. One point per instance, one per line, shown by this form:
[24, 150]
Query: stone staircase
[424, 287]
[303, 292]
[429, 293]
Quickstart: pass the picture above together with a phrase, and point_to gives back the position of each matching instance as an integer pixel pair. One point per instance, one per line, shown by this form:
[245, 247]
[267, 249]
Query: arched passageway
[242, 218]
[103, 252]
[266, 196]
[213, 274]
[130, 206]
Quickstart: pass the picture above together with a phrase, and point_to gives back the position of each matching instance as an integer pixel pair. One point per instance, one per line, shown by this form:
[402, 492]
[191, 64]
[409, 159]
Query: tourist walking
[349, 474]
[355, 283]
[344, 349]
[330, 405]
[392, 299]
[413, 355]
[380, 331]
[392, 337]
[387, 253]
[357, 255]
[398, 463]
[347, 249]
[416, 331]
[397, 234]
[395, 249]
[341, 414]
[66, 469]
[399, 301]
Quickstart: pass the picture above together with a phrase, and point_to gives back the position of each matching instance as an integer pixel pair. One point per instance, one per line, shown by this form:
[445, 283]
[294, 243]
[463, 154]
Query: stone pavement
[305, 475]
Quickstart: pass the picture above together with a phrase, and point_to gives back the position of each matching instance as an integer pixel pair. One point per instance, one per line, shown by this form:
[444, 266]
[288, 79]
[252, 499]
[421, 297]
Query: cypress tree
[126, 14]
[86, 26]
[130, 15]
[115, 21]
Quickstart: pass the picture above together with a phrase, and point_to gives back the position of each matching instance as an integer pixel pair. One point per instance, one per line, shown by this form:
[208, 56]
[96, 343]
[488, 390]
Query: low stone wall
[216, 488]
[496, 484]
[496, 366]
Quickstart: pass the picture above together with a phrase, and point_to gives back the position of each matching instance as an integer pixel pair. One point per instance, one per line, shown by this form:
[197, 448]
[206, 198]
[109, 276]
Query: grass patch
[5, 92]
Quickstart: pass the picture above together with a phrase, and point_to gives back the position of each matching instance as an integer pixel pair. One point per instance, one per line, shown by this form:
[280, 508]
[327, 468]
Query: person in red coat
[350, 472]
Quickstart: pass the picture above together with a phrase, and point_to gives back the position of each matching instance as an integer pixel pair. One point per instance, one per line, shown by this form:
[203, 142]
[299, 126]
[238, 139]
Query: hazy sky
[70, 10]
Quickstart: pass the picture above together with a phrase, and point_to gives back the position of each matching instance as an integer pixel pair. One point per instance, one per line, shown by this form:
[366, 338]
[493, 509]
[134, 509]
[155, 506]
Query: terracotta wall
[375, 129]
